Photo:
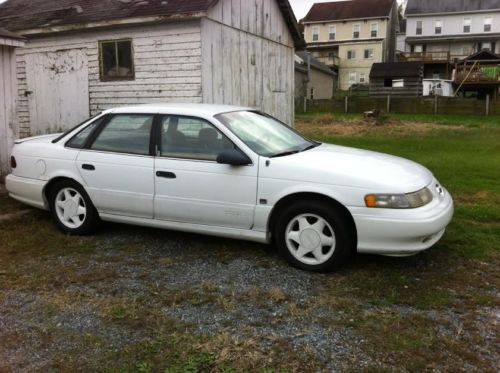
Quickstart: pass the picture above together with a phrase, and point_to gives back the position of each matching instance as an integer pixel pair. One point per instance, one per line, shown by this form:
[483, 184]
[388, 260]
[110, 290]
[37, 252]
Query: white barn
[8, 96]
[82, 57]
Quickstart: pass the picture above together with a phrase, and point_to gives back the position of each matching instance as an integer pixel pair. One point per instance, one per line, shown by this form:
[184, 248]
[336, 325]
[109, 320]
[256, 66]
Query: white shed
[8, 93]
[84, 57]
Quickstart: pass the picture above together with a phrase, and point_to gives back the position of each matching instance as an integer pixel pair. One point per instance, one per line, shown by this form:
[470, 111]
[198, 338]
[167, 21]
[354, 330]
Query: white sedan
[232, 172]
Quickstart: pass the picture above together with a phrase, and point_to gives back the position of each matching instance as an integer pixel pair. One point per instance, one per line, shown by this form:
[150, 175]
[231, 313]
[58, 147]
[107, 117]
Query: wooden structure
[237, 52]
[396, 79]
[8, 92]
[479, 73]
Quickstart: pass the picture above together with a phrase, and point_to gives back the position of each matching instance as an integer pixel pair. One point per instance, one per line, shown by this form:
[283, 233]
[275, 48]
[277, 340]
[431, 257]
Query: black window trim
[102, 118]
[97, 131]
[157, 138]
[81, 124]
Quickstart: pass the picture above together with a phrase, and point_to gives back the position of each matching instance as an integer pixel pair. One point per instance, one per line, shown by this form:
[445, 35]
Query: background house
[86, 56]
[350, 36]
[316, 82]
[396, 79]
[441, 32]
[8, 94]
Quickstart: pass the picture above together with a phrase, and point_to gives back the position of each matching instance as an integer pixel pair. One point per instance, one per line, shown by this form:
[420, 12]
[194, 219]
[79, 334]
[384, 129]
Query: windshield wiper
[282, 154]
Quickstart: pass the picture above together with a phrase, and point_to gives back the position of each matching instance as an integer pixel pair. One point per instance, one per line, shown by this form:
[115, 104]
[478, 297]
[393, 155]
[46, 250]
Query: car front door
[118, 166]
[190, 186]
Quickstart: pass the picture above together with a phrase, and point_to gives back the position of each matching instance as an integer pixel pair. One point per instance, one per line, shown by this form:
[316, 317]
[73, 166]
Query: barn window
[387, 82]
[116, 60]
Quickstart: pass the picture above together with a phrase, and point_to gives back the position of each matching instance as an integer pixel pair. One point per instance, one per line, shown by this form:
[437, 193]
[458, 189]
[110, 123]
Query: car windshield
[265, 135]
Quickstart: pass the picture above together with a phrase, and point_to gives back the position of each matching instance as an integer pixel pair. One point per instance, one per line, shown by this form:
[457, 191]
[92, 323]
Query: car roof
[178, 108]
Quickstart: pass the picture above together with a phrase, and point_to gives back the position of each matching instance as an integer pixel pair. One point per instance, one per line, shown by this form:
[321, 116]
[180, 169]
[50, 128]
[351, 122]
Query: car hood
[340, 165]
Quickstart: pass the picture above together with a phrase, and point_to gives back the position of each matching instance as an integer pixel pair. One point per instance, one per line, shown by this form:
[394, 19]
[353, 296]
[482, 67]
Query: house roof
[354, 9]
[483, 55]
[315, 64]
[416, 7]
[396, 69]
[9, 35]
[17, 15]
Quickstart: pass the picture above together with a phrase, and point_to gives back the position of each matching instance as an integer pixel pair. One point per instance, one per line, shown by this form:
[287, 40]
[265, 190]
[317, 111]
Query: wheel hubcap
[70, 208]
[310, 239]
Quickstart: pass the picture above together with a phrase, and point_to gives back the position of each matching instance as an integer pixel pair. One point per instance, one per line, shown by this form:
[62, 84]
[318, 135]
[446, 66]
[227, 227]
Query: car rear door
[117, 165]
[190, 186]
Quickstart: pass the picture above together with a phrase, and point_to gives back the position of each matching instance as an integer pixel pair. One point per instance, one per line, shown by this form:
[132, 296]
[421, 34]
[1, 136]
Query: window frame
[489, 24]
[372, 30]
[104, 78]
[313, 33]
[101, 126]
[158, 138]
[440, 27]
[358, 26]
[334, 32]
[419, 30]
[99, 118]
[353, 54]
[362, 78]
[467, 22]
[371, 53]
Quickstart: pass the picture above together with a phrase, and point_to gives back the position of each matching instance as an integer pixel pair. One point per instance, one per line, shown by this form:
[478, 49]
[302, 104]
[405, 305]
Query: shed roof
[354, 9]
[10, 35]
[415, 7]
[17, 15]
[396, 69]
[315, 64]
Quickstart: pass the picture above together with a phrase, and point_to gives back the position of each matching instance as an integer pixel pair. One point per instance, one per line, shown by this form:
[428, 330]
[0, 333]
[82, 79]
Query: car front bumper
[29, 191]
[405, 232]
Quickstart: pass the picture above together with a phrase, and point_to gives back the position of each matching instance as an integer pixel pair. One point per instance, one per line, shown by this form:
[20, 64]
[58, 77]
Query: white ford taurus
[231, 172]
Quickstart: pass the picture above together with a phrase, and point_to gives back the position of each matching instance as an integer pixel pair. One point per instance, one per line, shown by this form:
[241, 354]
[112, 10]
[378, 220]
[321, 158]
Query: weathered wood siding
[248, 57]
[412, 87]
[167, 61]
[8, 88]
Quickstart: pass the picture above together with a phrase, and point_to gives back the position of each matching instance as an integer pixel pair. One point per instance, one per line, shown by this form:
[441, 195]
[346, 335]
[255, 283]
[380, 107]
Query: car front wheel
[313, 236]
[72, 208]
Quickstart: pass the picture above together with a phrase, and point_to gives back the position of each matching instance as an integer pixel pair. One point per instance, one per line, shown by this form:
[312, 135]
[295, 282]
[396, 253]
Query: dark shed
[396, 78]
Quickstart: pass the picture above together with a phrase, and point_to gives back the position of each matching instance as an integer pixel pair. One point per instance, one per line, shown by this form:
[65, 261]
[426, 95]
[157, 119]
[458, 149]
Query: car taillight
[13, 162]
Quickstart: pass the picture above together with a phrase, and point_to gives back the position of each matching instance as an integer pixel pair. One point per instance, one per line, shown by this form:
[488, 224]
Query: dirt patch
[331, 126]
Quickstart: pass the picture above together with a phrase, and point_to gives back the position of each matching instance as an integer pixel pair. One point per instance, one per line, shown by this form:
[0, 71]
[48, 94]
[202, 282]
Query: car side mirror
[233, 157]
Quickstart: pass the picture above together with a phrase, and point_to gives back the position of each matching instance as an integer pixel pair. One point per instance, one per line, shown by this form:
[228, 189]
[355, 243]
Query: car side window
[78, 141]
[191, 138]
[125, 133]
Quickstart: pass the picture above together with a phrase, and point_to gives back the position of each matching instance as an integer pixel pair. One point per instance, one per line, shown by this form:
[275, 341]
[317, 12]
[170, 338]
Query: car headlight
[399, 201]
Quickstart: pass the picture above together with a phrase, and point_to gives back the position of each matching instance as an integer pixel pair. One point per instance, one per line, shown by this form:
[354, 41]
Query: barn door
[58, 90]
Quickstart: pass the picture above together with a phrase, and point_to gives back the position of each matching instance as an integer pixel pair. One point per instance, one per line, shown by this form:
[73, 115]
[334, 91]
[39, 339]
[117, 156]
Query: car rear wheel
[72, 208]
[314, 236]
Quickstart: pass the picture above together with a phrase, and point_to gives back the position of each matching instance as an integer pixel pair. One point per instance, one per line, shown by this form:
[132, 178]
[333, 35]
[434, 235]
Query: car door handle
[89, 167]
[166, 174]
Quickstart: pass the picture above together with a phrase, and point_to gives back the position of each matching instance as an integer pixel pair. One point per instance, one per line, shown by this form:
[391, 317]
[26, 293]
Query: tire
[314, 236]
[71, 208]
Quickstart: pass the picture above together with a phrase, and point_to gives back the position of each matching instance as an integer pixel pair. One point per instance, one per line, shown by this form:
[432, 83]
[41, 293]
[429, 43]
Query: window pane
[124, 58]
[191, 138]
[127, 133]
[108, 58]
[78, 141]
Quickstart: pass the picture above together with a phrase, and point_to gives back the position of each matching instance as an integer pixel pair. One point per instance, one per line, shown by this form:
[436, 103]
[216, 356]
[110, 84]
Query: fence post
[435, 104]
[487, 105]
[346, 104]
[388, 103]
